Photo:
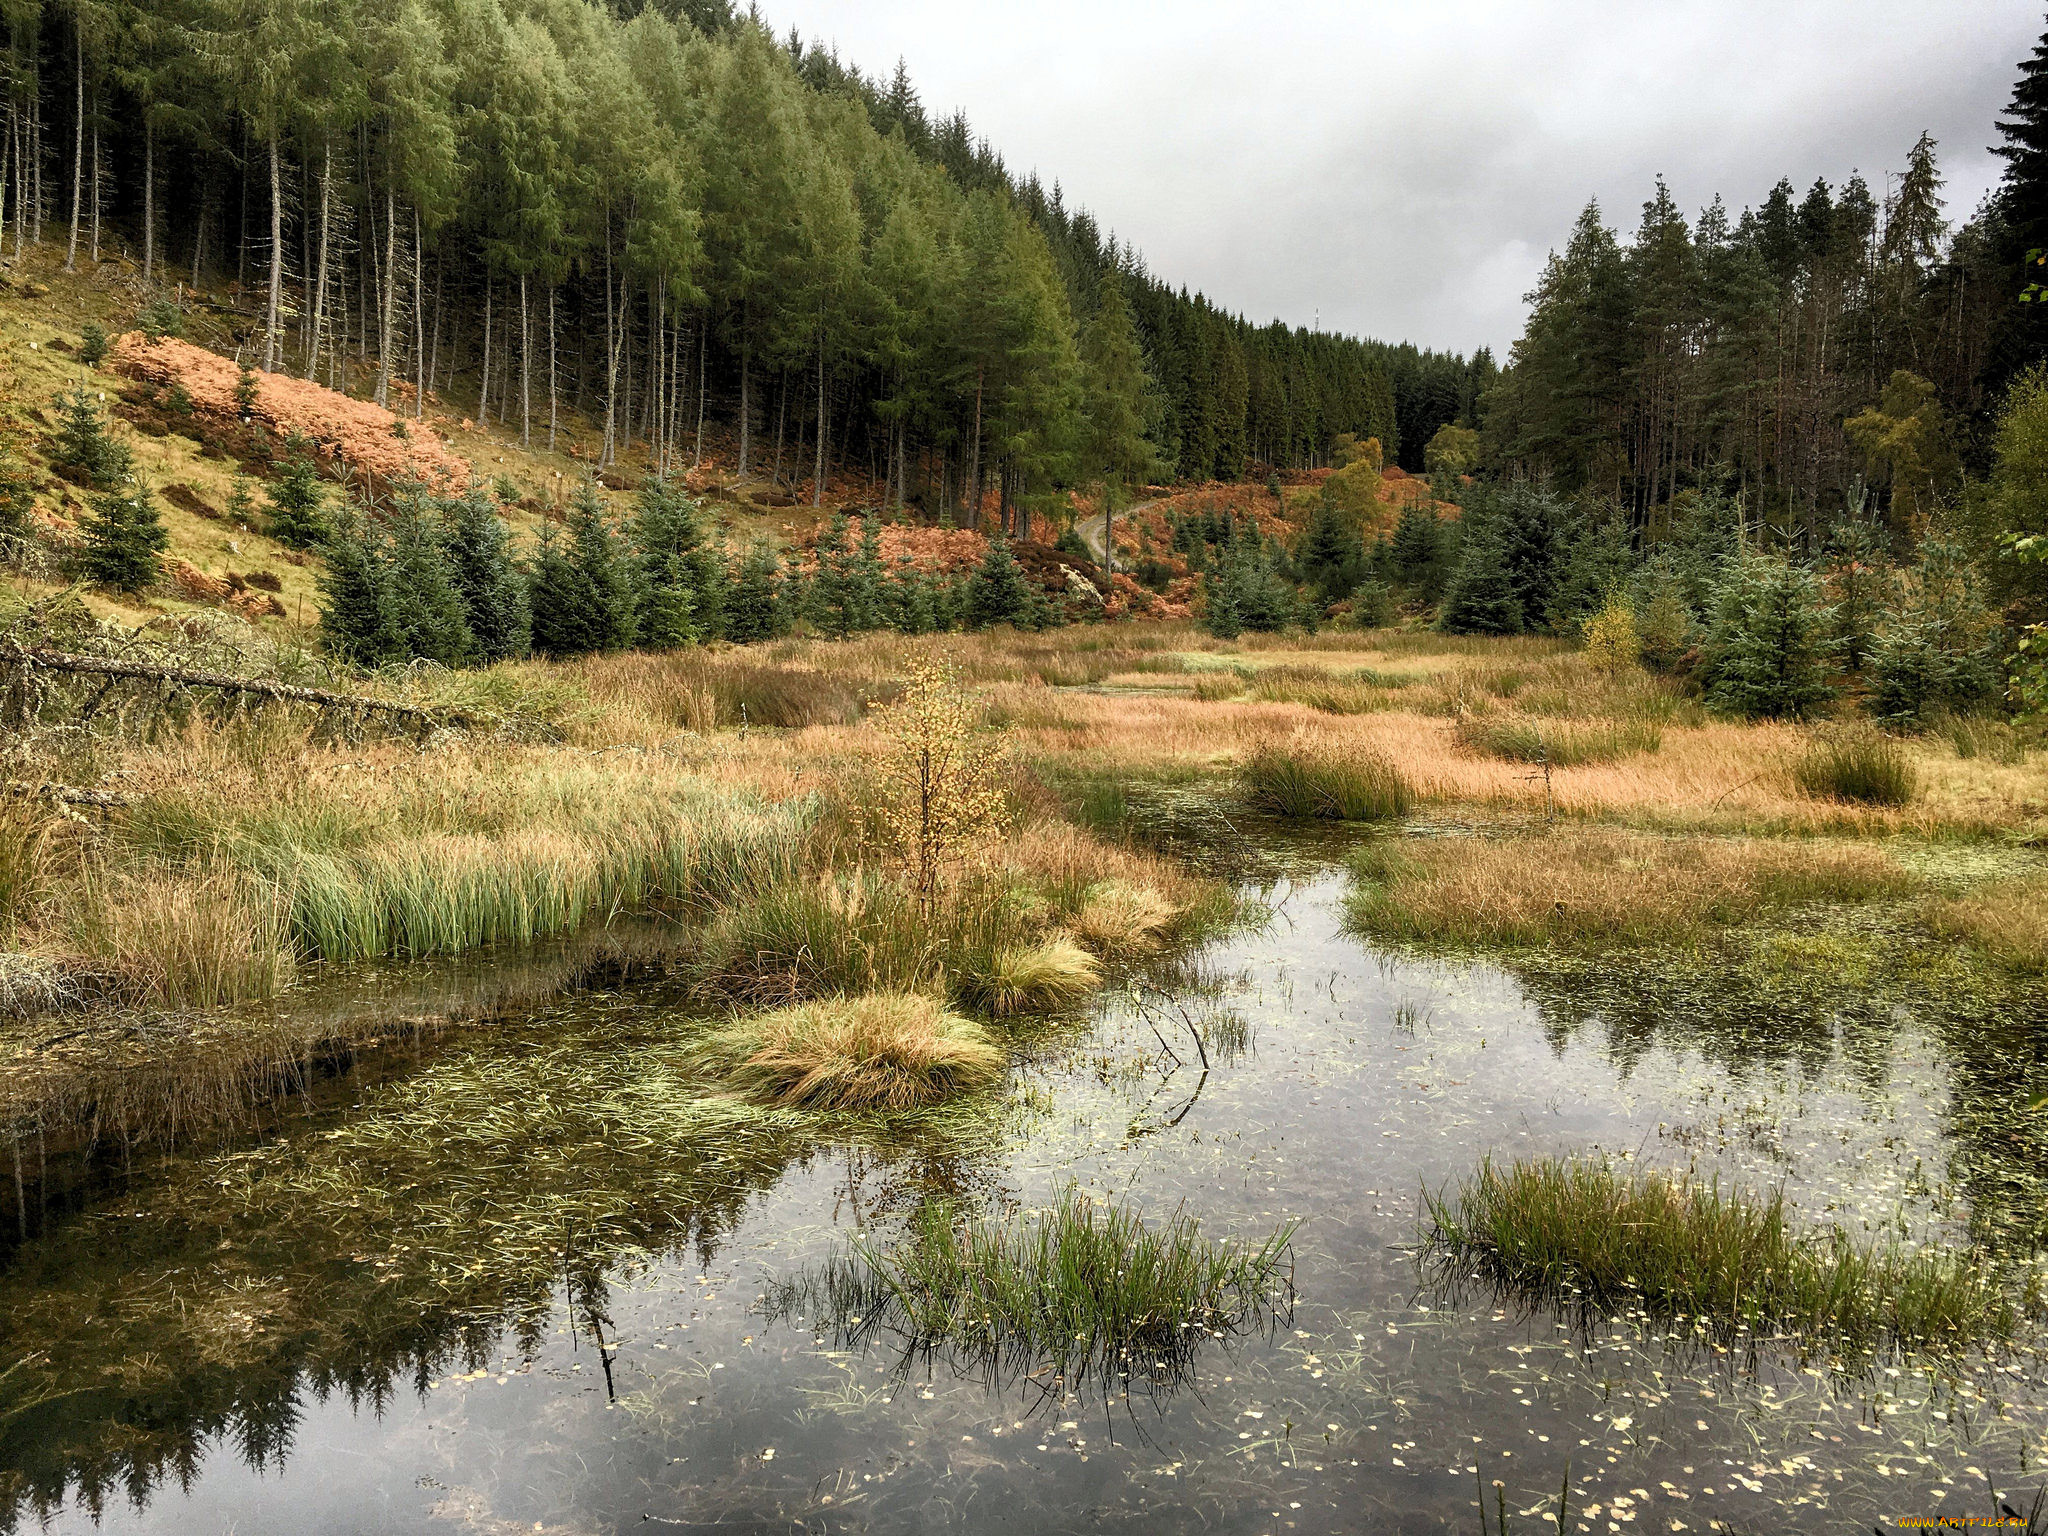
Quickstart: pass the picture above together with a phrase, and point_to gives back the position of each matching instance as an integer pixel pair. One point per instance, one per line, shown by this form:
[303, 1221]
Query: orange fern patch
[361, 435]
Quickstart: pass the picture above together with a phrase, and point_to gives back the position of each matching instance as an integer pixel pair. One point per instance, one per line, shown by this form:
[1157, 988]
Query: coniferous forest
[656, 215]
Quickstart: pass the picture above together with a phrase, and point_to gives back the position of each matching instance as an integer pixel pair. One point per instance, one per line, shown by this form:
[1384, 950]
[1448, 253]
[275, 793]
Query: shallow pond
[520, 1285]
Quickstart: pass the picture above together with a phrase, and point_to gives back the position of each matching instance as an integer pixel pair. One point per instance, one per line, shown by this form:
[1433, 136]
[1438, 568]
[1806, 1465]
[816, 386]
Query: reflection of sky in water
[656, 1396]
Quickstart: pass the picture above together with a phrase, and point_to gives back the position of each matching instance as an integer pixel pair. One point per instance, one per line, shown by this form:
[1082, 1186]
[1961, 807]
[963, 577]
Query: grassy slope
[43, 311]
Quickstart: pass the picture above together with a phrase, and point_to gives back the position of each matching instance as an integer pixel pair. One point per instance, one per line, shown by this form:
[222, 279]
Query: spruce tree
[2021, 225]
[241, 508]
[999, 592]
[868, 579]
[358, 621]
[1933, 651]
[1860, 581]
[478, 546]
[1416, 552]
[754, 608]
[666, 540]
[830, 601]
[425, 605]
[92, 344]
[1220, 616]
[1766, 655]
[558, 600]
[84, 445]
[298, 506]
[124, 534]
[602, 571]
[1332, 555]
[1481, 598]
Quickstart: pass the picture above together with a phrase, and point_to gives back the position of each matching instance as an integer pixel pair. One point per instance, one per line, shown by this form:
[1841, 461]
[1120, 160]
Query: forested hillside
[657, 218]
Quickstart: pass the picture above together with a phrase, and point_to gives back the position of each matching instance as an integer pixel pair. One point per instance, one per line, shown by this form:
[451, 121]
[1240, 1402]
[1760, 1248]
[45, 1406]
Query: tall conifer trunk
[525, 370]
[818, 475]
[271, 348]
[390, 296]
[320, 277]
[77, 155]
[552, 397]
[148, 199]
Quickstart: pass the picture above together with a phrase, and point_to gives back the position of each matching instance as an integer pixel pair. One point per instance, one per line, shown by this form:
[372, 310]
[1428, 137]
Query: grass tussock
[1579, 1232]
[1861, 767]
[1593, 887]
[1118, 918]
[1304, 781]
[881, 1051]
[1029, 978]
[2008, 922]
[1085, 1288]
[1563, 743]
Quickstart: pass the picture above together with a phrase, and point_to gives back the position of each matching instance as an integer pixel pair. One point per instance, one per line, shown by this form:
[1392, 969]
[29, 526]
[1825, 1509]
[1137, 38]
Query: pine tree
[830, 601]
[1767, 650]
[1481, 598]
[298, 506]
[358, 619]
[999, 592]
[2021, 229]
[754, 610]
[92, 344]
[1859, 581]
[124, 534]
[84, 446]
[1220, 616]
[241, 508]
[478, 547]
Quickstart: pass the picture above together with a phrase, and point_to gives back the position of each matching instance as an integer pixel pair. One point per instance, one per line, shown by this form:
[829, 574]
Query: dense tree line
[1824, 342]
[656, 215]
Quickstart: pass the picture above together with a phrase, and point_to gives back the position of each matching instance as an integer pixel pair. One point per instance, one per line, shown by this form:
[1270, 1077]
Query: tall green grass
[443, 894]
[1578, 1231]
[1865, 767]
[1303, 784]
[1084, 1288]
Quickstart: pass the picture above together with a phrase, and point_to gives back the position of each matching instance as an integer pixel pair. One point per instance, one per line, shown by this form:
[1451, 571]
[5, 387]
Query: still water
[520, 1285]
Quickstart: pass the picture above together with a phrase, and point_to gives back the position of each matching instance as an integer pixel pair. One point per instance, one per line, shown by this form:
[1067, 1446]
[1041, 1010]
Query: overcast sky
[1403, 168]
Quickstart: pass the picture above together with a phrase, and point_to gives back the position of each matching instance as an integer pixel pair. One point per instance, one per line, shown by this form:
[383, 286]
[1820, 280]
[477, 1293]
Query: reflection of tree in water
[1740, 1022]
[1992, 1037]
[368, 1256]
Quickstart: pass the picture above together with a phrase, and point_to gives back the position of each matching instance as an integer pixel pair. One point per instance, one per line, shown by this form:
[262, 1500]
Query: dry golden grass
[884, 1050]
[2008, 922]
[1118, 919]
[1599, 886]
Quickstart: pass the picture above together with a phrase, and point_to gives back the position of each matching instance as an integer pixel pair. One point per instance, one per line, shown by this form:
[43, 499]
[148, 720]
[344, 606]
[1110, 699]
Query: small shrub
[1578, 1231]
[92, 344]
[1612, 641]
[943, 780]
[1304, 783]
[1864, 767]
[885, 1050]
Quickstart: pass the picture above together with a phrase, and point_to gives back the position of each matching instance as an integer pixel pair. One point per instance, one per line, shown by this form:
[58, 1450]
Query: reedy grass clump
[1593, 887]
[1029, 978]
[1302, 782]
[880, 1051]
[1864, 767]
[1578, 1232]
[1562, 743]
[1084, 1288]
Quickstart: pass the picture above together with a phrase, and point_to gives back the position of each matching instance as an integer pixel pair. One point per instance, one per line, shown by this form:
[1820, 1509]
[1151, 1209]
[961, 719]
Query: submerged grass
[1578, 1232]
[1307, 781]
[1086, 1287]
[1595, 887]
[884, 1050]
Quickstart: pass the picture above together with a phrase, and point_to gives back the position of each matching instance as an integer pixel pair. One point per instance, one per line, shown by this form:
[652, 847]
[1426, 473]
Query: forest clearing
[706, 819]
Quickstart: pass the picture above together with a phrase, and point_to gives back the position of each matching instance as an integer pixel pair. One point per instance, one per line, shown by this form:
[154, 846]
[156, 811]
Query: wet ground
[520, 1286]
